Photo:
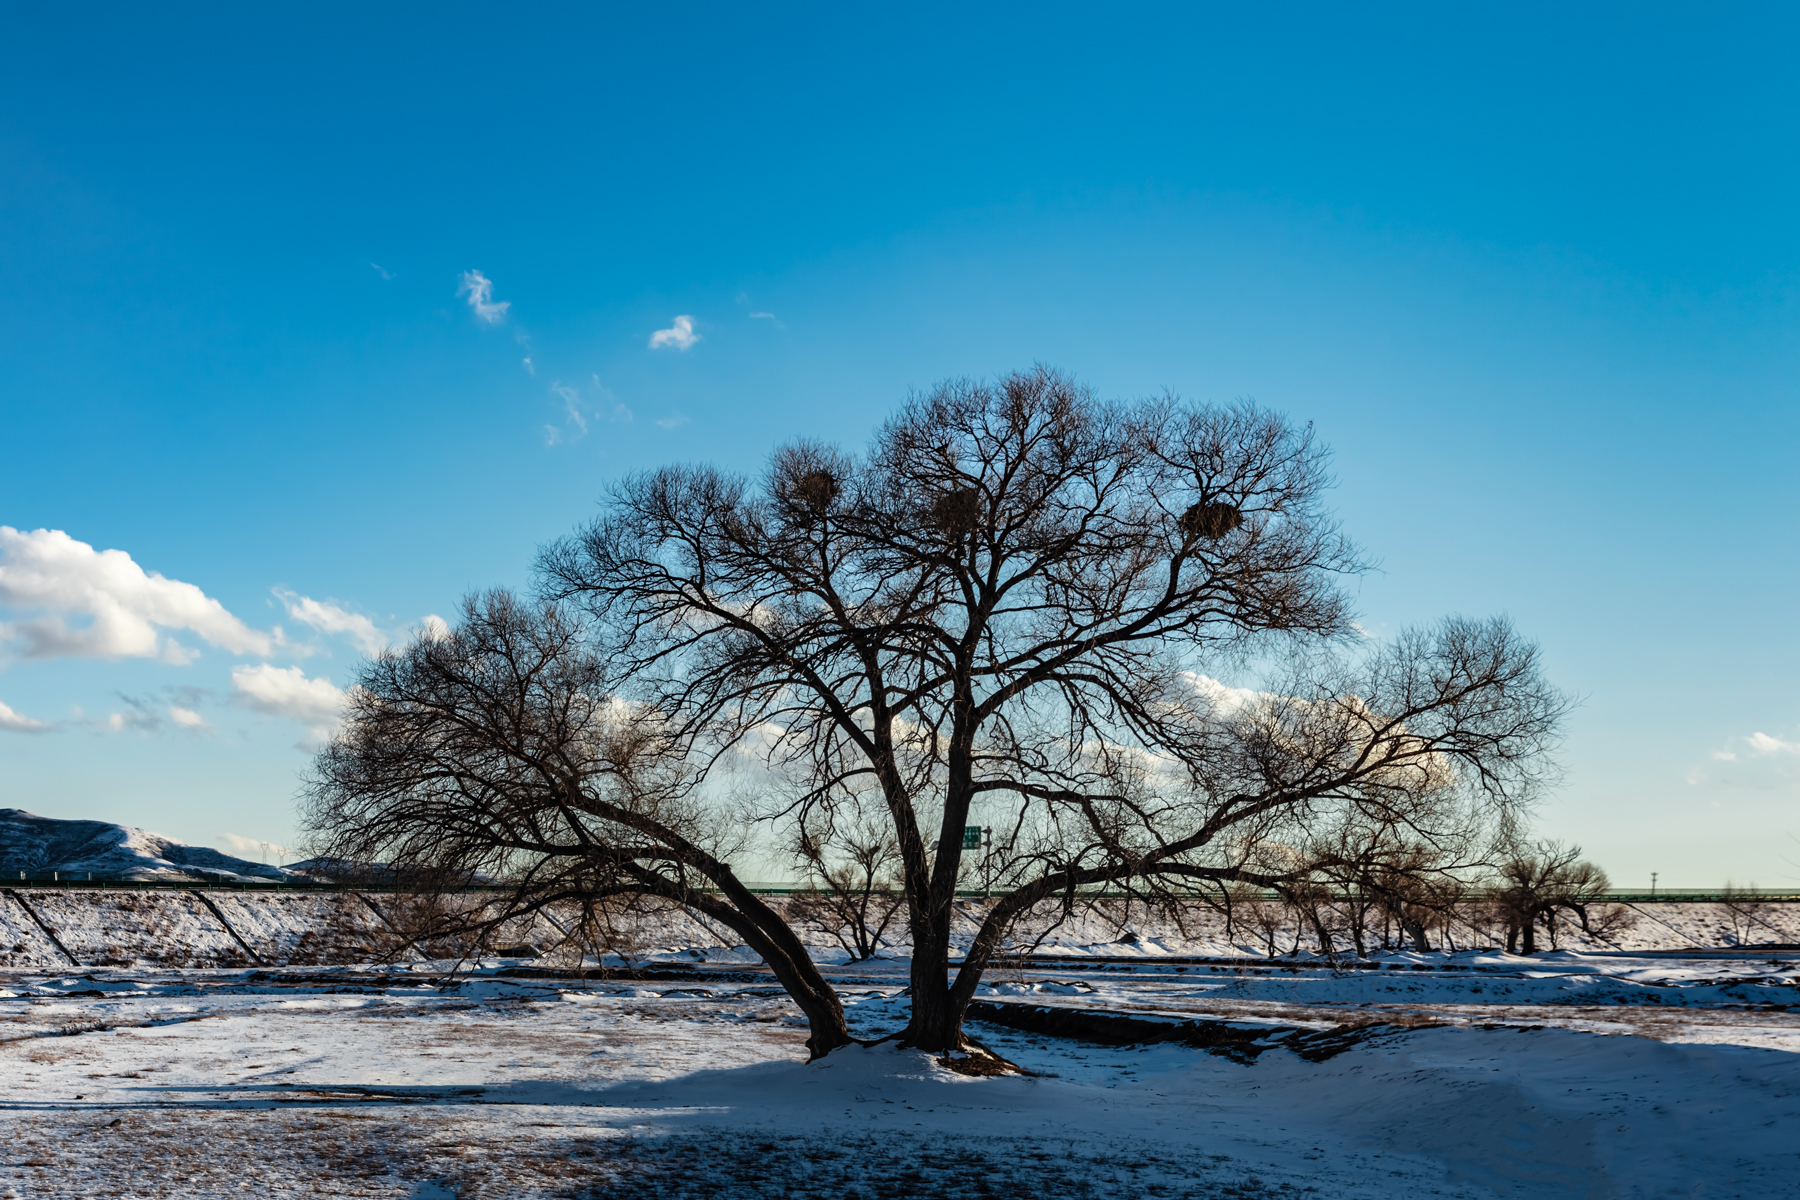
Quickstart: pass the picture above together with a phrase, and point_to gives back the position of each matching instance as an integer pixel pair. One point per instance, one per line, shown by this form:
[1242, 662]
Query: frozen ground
[1564, 1076]
[53, 929]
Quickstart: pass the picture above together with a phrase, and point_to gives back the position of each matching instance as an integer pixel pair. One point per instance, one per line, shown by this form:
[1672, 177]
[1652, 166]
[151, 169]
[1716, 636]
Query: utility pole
[1653, 883]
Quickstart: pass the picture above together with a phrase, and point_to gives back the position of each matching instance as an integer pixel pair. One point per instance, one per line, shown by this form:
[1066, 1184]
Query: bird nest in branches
[1211, 519]
[957, 514]
[814, 492]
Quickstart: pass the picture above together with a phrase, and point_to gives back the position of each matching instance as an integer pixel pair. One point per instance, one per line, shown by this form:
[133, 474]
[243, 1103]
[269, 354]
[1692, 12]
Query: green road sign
[971, 837]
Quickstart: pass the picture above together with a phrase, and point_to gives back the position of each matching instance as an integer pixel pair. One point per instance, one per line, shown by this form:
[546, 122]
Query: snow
[1569, 1075]
[173, 1062]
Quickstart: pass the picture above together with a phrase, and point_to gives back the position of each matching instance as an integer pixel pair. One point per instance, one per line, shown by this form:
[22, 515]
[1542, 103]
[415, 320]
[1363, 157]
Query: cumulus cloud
[18, 722]
[1762, 743]
[48, 572]
[480, 291]
[680, 335]
[1223, 697]
[327, 616]
[434, 628]
[187, 718]
[287, 692]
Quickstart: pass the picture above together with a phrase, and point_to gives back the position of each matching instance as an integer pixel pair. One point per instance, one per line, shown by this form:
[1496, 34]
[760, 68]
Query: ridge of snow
[39, 846]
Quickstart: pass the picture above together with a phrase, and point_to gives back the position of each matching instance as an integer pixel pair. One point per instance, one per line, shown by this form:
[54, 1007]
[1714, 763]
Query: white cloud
[571, 404]
[1223, 697]
[767, 316]
[621, 415]
[529, 369]
[327, 616]
[48, 571]
[287, 692]
[680, 335]
[248, 846]
[480, 291]
[382, 271]
[676, 421]
[434, 628]
[1762, 743]
[17, 722]
[187, 718]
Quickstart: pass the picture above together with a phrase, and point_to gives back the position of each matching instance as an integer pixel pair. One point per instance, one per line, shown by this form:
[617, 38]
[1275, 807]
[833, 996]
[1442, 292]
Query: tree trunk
[765, 932]
[936, 1023]
[1415, 930]
[1318, 924]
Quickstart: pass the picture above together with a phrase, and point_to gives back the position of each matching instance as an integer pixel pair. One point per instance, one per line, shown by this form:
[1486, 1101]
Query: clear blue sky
[1532, 270]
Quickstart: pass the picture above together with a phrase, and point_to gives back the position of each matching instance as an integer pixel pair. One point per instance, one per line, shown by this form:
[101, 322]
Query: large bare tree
[497, 751]
[1008, 608]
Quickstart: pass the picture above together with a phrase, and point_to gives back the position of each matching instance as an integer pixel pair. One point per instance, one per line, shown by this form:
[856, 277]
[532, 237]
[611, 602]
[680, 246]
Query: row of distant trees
[1018, 601]
[1535, 891]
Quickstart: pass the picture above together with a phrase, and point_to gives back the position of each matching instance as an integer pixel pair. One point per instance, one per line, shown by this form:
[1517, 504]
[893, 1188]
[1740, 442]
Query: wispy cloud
[680, 335]
[1759, 762]
[620, 414]
[50, 573]
[248, 846]
[571, 405]
[138, 716]
[382, 271]
[673, 421]
[480, 291]
[327, 616]
[768, 316]
[1762, 743]
[17, 722]
[287, 692]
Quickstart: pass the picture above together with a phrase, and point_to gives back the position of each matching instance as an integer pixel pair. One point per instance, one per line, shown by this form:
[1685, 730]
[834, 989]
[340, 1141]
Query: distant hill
[42, 846]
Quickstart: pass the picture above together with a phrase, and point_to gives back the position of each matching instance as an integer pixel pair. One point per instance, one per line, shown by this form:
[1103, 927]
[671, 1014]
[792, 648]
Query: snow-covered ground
[1571, 1075]
[200, 928]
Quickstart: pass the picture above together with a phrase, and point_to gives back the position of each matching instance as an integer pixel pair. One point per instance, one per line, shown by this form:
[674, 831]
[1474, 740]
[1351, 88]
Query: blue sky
[1533, 271]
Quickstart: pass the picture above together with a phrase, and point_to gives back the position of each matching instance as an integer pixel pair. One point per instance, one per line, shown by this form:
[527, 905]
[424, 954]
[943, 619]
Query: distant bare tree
[1540, 881]
[1746, 909]
[853, 893]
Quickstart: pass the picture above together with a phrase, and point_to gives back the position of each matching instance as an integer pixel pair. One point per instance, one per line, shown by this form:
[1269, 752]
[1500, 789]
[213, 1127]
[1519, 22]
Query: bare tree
[1540, 881]
[853, 893]
[1013, 602]
[1746, 909]
[499, 751]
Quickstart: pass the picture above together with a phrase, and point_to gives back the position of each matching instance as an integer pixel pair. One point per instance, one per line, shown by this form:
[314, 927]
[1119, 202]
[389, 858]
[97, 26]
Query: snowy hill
[40, 846]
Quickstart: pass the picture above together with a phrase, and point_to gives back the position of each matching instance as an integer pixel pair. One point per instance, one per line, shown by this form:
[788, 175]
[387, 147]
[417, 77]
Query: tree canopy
[1020, 600]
